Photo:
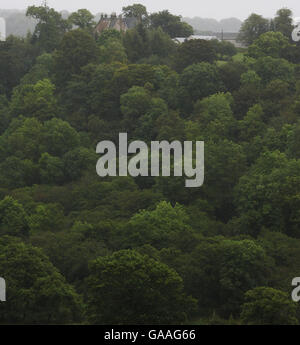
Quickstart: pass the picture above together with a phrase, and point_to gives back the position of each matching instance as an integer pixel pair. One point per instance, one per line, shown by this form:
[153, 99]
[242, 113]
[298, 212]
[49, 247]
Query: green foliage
[76, 50]
[50, 27]
[283, 22]
[108, 34]
[252, 28]
[51, 169]
[267, 197]
[215, 116]
[13, 219]
[219, 271]
[252, 124]
[37, 292]
[76, 161]
[42, 69]
[130, 288]
[158, 227]
[138, 11]
[59, 137]
[83, 19]
[113, 51]
[225, 165]
[293, 141]
[192, 52]
[170, 24]
[231, 74]
[161, 43]
[137, 43]
[232, 245]
[46, 218]
[16, 58]
[269, 68]
[18, 172]
[136, 102]
[38, 152]
[272, 44]
[36, 100]
[244, 264]
[267, 306]
[196, 82]
[250, 77]
[71, 251]
[224, 49]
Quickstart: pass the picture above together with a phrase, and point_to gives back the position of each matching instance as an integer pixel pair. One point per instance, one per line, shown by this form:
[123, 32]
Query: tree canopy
[77, 248]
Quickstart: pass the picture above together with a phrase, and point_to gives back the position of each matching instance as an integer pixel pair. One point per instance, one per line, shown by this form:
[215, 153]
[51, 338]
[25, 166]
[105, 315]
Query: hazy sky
[209, 9]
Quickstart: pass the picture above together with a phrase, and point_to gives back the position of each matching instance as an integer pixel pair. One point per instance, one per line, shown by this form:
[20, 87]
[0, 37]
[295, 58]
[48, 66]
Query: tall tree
[37, 293]
[77, 49]
[252, 28]
[50, 28]
[35, 100]
[137, 43]
[130, 288]
[194, 51]
[196, 82]
[138, 11]
[13, 218]
[171, 24]
[267, 306]
[82, 19]
[271, 43]
[17, 56]
[283, 22]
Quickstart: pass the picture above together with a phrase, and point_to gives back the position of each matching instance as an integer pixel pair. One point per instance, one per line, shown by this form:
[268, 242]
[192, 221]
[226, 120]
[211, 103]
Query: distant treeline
[18, 24]
[213, 25]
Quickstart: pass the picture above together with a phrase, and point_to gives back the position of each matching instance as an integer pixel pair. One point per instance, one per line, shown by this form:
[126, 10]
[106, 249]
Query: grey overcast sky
[190, 8]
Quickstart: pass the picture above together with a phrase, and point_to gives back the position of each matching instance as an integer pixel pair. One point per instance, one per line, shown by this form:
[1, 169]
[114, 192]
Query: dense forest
[79, 249]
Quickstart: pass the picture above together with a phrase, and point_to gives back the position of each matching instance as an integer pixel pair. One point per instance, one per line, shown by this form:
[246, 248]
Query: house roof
[116, 22]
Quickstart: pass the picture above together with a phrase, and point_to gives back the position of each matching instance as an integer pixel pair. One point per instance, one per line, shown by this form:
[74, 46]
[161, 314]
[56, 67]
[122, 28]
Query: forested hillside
[79, 249]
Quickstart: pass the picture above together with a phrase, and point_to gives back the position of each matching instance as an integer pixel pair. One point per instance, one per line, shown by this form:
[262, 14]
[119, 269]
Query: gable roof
[118, 23]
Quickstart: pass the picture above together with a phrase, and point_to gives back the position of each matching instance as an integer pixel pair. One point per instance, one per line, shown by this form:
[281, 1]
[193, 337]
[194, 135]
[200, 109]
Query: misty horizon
[111, 12]
[215, 9]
